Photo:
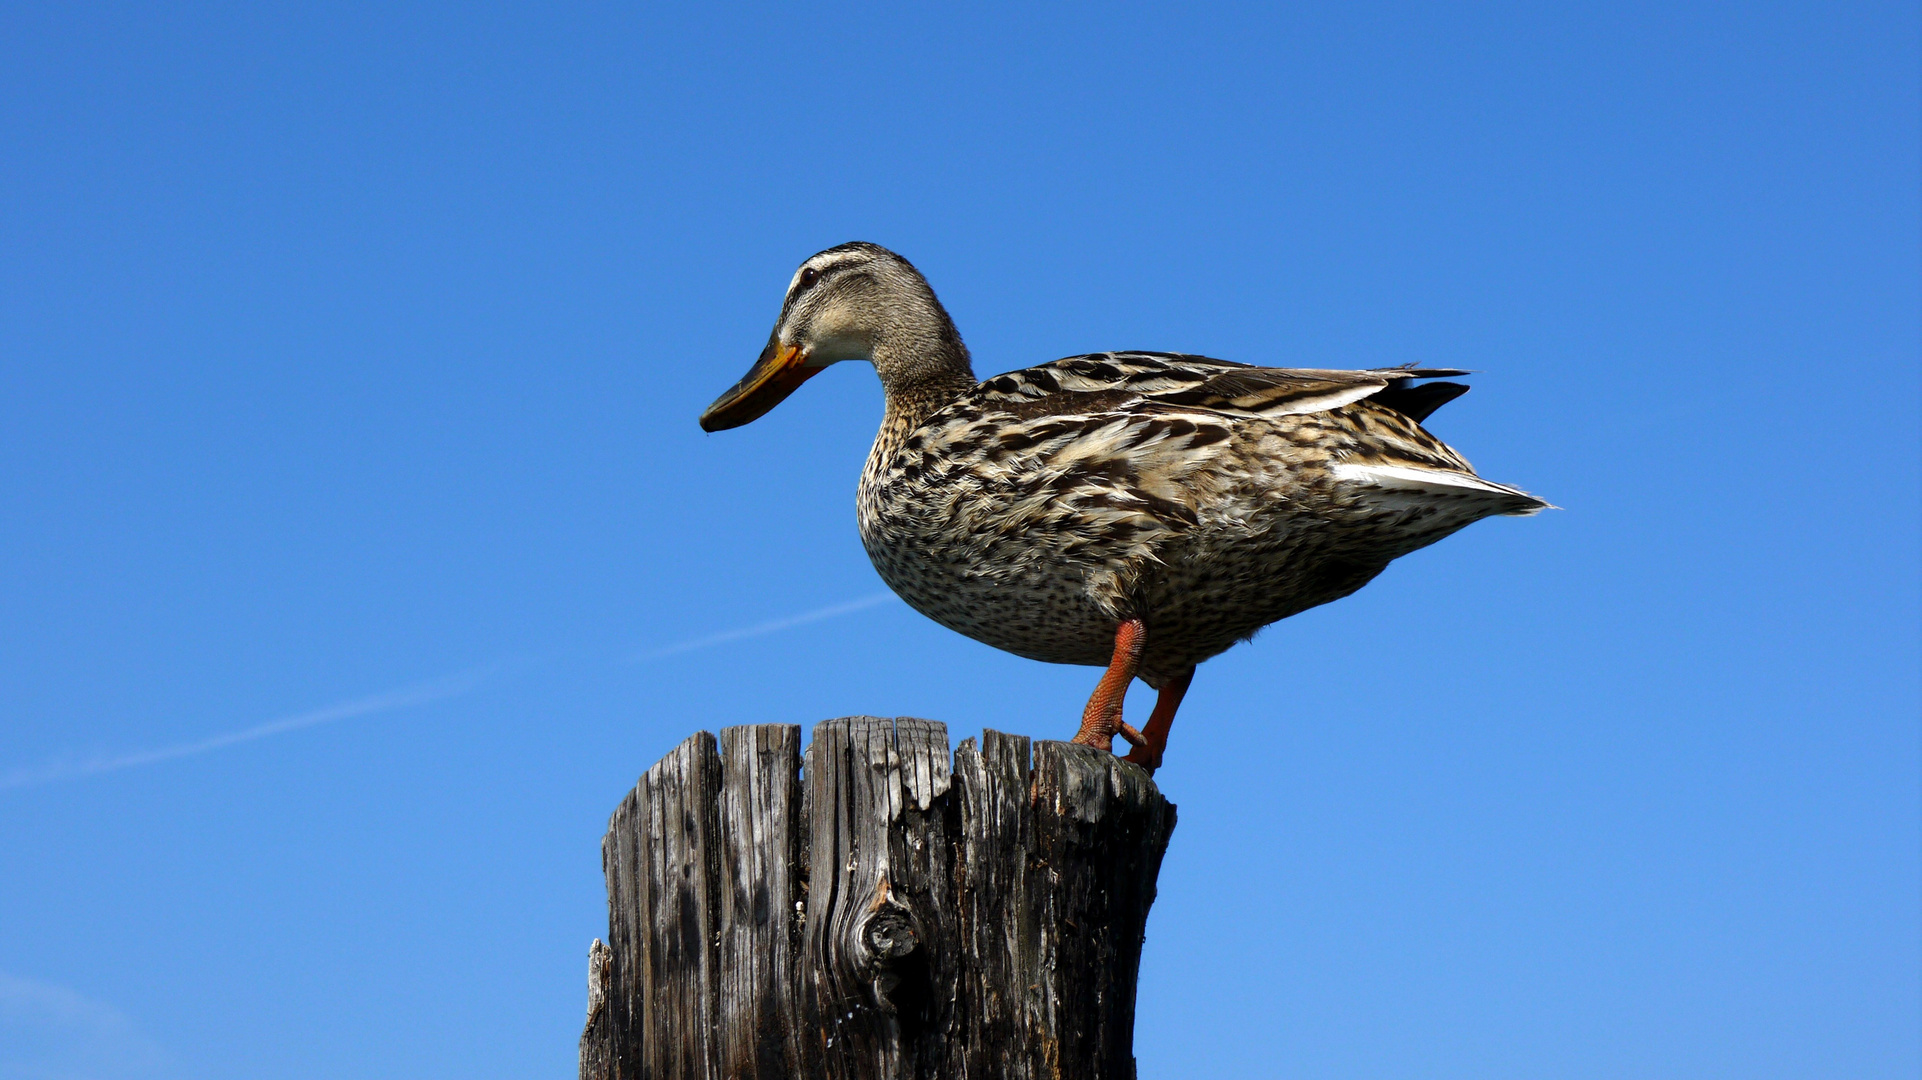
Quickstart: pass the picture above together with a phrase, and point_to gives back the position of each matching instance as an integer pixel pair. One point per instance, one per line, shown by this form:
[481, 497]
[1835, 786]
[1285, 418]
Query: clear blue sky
[353, 502]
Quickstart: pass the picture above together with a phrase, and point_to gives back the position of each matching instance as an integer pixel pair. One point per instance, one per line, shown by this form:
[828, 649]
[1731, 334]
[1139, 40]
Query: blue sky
[359, 546]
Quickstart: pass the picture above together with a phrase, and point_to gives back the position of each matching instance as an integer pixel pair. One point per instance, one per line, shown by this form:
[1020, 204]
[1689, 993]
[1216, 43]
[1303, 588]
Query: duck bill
[773, 377]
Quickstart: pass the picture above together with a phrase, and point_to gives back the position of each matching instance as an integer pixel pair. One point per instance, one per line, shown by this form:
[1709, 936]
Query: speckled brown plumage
[1193, 500]
[1036, 511]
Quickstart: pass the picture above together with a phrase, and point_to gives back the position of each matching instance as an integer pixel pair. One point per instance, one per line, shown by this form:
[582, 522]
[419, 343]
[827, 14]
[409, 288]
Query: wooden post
[882, 917]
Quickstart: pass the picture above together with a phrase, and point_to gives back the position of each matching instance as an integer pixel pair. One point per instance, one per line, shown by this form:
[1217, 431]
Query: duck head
[853, 302]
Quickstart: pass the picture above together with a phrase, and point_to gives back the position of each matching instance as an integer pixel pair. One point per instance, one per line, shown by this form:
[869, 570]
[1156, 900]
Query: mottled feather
[1206, 497]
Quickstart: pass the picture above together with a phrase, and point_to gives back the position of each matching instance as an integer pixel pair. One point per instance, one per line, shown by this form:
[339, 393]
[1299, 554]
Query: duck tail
[1498, 499]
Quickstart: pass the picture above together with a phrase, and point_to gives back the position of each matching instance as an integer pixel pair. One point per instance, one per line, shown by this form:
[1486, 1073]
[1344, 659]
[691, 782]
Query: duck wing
[1159, 429]
[1100, 382]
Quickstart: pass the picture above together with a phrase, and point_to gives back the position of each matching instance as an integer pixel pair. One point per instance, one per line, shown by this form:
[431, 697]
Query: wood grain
[870, 911]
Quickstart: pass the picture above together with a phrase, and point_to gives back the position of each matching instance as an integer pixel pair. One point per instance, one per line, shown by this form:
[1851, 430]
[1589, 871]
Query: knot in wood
[890, 935]
[888, 957]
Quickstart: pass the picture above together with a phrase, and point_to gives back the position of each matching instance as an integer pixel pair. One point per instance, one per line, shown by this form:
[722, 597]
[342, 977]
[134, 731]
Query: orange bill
[773, 377]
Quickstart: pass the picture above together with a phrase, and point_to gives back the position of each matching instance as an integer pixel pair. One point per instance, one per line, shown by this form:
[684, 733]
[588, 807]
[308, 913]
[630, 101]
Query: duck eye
[808, 277]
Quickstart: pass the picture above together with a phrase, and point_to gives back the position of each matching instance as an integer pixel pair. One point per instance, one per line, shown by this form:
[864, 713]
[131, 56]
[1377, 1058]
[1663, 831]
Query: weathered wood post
[880, 916]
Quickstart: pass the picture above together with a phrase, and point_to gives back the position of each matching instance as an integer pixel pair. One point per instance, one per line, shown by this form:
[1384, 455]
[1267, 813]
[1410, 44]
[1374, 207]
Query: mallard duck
[1138, 511]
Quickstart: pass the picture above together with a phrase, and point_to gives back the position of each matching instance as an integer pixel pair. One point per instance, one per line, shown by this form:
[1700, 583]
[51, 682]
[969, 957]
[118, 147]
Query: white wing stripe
[1303, 406]
[1410, 478]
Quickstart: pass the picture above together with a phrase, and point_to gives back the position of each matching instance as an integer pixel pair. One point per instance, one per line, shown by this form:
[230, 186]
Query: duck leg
[1102, 718]
[1155, 734]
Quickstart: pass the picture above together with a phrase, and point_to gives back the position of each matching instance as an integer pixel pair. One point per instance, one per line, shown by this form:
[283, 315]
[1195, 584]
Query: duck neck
[921, 373]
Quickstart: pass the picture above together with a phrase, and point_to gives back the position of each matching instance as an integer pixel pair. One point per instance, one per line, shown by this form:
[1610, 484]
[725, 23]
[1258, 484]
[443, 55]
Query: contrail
[770, 627]
[417, 694]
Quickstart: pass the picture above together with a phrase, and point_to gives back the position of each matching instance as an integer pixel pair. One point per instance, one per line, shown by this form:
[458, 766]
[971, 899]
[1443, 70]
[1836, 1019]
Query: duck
[1140, 512]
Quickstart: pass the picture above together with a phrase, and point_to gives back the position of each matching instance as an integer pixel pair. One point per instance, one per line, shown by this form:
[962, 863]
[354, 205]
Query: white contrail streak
[417, 694]
[770, 627]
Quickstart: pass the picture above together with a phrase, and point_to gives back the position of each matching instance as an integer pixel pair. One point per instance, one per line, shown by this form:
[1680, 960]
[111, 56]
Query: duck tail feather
[1417, 402]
